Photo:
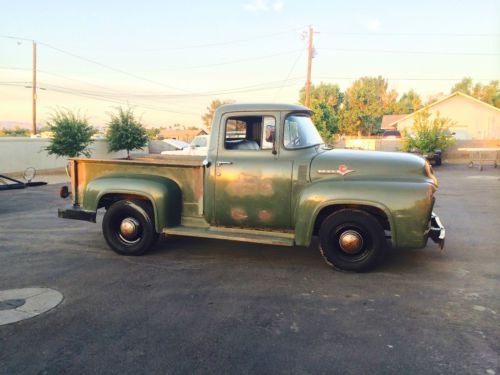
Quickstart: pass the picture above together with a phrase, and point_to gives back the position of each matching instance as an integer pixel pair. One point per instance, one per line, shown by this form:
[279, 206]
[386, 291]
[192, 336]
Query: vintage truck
[267, 178]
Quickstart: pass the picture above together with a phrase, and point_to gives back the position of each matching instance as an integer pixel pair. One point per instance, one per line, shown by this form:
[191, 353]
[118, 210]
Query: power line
[117, 70]
[98, 97]
[139, 96]
[143, 78]
[114, 99]
[375, 34]
[230, 62]
[16, 38]
[409, 78]
[216, 44]
[288, 75]
[254, 87]
[110, 67]
[409, 52]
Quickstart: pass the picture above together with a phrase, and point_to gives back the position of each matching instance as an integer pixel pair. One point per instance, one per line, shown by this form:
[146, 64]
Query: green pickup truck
[267, 178]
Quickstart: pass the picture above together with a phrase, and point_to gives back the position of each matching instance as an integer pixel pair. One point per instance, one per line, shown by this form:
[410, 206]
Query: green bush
[428, 135]
[125, 132]
[17, 132]
[71, 134]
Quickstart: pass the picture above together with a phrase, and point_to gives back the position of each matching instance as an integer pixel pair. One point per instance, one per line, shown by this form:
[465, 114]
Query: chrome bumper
[437, 233]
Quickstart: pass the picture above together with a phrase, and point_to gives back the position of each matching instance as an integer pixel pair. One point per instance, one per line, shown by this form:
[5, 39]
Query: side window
[291, 132]
[268, 132]
[235, 130]
[249, 133]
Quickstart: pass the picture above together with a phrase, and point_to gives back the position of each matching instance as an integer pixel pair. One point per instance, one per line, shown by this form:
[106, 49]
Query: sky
[168, 59]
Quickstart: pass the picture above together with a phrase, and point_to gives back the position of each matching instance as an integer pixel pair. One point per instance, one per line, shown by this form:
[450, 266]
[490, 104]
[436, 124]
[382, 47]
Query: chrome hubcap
[129, 229]
[351, 241]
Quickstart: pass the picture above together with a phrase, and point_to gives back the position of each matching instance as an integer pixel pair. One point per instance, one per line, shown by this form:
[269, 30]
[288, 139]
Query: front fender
[163, 193]
[407, 205]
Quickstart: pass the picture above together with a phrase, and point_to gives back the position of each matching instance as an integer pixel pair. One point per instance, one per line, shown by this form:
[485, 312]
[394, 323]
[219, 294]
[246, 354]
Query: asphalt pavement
[208, 306]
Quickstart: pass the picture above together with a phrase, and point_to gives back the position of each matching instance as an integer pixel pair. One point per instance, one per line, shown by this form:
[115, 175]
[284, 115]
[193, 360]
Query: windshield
[300, 132]
[199, 141]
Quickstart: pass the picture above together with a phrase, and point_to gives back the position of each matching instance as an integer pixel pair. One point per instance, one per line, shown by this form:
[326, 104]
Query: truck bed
[186, 170]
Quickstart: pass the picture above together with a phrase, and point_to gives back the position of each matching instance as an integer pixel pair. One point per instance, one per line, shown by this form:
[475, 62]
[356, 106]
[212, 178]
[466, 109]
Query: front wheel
[128, 227]
[352, 240]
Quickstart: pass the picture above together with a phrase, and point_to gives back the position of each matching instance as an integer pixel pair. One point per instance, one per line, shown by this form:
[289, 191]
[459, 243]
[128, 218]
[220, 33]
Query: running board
[234, 234]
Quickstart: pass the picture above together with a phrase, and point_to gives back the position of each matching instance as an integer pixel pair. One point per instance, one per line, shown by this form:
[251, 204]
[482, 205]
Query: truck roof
[252, 107]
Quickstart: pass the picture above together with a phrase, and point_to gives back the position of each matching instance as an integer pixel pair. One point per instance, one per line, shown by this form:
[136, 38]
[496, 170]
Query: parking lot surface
[208, 306]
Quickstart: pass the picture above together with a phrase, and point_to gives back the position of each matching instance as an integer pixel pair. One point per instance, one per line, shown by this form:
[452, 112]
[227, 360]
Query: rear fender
[163, 193]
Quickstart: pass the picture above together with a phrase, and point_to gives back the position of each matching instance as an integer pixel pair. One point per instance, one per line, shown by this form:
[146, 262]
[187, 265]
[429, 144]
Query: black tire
[438, 161]
[358, 225]
[139, 213]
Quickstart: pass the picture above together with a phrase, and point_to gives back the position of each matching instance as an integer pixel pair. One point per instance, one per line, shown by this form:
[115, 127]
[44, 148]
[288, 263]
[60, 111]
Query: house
[185, 135]
[473, 118]
[389, 120]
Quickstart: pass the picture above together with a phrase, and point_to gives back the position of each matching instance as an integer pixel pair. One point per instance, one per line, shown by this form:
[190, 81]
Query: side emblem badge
[342, 170]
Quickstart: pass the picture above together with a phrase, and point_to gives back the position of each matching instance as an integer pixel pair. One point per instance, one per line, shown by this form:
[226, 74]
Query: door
[252, 184]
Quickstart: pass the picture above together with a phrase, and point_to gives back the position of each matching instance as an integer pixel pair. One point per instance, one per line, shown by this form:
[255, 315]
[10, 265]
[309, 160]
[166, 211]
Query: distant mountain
[10, 125]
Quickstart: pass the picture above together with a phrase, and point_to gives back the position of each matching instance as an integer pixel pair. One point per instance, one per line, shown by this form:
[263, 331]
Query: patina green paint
[254, 190]
[260, 190]
[188, 176]
[163, 193]
[407, 208]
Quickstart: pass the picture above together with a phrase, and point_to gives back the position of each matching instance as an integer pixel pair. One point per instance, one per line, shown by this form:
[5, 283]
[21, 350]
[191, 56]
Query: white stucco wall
[19, 153]
[474, 120]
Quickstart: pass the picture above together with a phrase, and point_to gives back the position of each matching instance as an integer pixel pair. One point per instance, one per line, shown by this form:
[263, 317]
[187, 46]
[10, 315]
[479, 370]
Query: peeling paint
[265, 215]
[239, 214]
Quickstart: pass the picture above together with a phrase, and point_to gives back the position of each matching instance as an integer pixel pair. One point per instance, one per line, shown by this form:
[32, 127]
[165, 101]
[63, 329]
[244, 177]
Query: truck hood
[375, 165]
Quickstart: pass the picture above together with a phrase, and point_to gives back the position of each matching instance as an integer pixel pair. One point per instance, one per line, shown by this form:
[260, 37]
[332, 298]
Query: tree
[326, 101]
[325, 120]
[464, 86]
[428, 134]
[324, 92]
[153, 133]
[365, 102]
[409, 102]
[71, 134]
[209, 114]
[489, 93]
[125, 132]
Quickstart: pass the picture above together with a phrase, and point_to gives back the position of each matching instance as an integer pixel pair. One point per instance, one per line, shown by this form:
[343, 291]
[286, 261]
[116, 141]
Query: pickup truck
[267, 178]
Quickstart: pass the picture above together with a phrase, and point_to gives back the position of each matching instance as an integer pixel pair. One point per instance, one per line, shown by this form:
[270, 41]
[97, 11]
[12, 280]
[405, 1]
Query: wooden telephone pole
[33, 126]
[309, 65]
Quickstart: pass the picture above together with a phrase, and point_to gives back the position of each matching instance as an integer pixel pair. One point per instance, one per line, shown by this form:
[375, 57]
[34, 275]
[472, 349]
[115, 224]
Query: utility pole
[33, 127]
[309, 65]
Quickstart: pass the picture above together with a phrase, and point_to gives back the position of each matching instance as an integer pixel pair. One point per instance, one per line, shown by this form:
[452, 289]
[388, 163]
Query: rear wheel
[352, 240]
[128, 227]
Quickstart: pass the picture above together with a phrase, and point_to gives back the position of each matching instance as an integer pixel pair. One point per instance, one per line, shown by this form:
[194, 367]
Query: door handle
[219, 163]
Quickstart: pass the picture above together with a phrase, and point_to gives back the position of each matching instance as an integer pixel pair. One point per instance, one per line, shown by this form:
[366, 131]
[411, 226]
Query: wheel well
[108, 199]
[377, 213]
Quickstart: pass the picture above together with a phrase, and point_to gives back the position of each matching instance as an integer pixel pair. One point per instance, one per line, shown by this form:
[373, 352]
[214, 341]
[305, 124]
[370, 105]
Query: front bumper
[76, 213]
[437, 233]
